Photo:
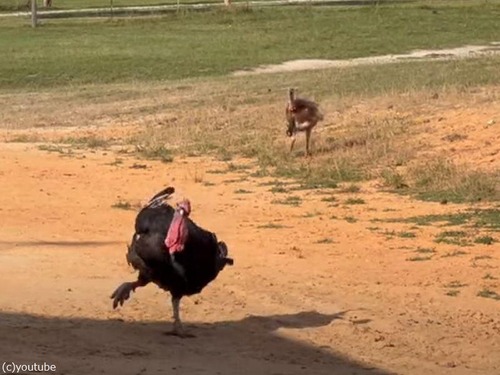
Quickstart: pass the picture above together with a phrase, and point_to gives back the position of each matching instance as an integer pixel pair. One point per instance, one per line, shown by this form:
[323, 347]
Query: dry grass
[372, 128]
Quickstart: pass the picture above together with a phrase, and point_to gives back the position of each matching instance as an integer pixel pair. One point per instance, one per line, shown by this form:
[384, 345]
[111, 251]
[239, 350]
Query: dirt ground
[317, 288]
[438, 54]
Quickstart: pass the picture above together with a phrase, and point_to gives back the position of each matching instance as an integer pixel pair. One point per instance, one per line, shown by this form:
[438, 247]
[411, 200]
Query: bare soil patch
[438, 54]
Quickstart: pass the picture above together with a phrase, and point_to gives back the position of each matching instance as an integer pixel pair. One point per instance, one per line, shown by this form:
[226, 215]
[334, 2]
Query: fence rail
[85, 8]
[120, 8]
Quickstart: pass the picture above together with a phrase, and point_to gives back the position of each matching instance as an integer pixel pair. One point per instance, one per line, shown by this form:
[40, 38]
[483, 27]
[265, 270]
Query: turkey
[194, 259]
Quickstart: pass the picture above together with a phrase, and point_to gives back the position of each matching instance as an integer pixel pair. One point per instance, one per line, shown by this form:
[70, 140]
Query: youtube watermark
[21, 368]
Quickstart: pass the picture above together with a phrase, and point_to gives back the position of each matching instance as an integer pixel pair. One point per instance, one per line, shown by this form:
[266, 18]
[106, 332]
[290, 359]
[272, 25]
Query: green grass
[406, 234]
[196, 44]
[85, 142]
[291, 200]
[352, 201]
[444, 181]
[330, 199]
[452, 237]
[393, 179]
[278, 189]
[485, 240]
[155, 152]
[190, 44]
[352, 188]
[485, 218]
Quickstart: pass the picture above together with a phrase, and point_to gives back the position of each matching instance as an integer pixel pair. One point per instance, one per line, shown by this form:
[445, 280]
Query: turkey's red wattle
[177, 233]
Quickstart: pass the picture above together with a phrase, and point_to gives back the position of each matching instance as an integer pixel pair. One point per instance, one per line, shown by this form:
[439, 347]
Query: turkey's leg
[178, 329]
[122, 293]
[308, 141]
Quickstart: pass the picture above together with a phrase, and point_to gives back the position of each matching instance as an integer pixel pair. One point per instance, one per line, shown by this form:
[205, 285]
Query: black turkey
[197, 259]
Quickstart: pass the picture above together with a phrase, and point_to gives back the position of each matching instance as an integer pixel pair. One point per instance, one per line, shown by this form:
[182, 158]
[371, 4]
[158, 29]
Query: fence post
[33, 14]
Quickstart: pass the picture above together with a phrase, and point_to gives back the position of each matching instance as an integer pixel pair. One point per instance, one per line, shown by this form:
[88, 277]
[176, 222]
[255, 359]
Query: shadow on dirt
[253, 345]
[4, 245]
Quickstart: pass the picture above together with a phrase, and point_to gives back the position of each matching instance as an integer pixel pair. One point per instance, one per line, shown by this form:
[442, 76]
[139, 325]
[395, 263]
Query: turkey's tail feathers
[160, 197]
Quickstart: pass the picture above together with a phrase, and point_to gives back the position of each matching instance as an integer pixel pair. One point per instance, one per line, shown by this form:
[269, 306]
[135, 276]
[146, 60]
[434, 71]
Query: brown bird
[302, 115]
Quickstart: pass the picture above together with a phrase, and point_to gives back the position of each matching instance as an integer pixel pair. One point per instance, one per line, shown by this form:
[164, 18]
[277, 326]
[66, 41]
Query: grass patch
[452, 237]
[349, 219]
[190, 44]
[25, 138]
[271, 226]
[85, 142]
[406, 234]
[311, 214]
[444, 181]
[482, 257]
[454, 253]
[122, 205]
[352, 188]
[194, 44]
[324, 241]
[278, 189]
[330, 199]
[453, 292]
[231, 167]
[419, 258]
[425, 250]
[393, 179]
[485, 240]
[455, 284]
[487, 218]
[56, 149]
[488, 293]
[354, 201]
[292, 200]
[489, 276]
[155, 152]
[242, 191]
[217, 171]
